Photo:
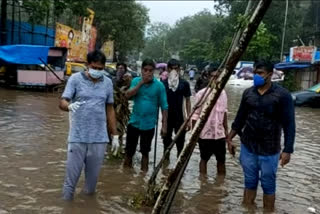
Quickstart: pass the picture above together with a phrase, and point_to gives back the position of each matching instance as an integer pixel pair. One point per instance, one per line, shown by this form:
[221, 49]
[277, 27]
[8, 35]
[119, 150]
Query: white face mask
[173, 80]
[95, 74]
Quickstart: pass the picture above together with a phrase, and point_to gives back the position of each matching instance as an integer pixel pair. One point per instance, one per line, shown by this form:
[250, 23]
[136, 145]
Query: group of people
[265, 110]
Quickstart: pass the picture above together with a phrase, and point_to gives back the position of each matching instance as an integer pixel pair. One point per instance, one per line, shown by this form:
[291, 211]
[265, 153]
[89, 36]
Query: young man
[148, 94]
[88, 97]
[177, 90]
[212, 138]
[265, 110]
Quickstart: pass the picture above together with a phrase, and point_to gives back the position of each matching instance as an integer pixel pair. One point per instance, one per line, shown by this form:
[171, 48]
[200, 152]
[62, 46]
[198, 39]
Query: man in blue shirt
[147, 94]
[265, 110]
[88, 97]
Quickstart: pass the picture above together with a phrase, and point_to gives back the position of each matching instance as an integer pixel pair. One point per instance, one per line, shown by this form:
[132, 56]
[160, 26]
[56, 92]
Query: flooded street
[33, 152]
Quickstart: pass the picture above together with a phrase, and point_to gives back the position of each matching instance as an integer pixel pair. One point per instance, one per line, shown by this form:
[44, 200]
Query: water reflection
[33, 152]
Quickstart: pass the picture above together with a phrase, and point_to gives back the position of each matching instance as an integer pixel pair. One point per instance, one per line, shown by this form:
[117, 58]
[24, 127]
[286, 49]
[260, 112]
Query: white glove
[115, 145]
[74, 106]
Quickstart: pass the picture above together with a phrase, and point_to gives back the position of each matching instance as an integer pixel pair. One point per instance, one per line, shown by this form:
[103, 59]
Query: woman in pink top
[212, 138]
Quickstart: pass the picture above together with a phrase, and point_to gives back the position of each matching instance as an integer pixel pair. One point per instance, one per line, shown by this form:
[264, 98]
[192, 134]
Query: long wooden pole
[152, 180]
[169, 188]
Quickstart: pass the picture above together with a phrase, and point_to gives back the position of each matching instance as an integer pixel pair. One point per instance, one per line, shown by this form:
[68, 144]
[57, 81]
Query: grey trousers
[89, 156]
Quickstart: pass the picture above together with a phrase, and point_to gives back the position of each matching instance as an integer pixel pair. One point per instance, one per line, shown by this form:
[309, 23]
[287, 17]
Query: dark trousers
[133, 135]
[174, 126]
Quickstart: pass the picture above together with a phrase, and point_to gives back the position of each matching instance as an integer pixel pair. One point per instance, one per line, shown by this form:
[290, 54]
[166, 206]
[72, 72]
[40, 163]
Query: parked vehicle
[244, 77]
[309, 97]
[73, 67]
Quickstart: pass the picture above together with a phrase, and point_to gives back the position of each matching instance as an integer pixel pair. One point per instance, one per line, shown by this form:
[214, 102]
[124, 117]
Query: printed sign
[302, 53]
[108, 49]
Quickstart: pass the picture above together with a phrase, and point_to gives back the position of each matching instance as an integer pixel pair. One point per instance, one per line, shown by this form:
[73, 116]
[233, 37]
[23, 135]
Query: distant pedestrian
[265, 110]
[213, 136]
[192, 73]
[123, 77]
[88, 97]
[177, 90]
[148, 94]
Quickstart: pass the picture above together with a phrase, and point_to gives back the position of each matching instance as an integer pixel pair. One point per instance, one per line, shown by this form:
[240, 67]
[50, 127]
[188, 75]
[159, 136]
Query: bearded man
[177, 90]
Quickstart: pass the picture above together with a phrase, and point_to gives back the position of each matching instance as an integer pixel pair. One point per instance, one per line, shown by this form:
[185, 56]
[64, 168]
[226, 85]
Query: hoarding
[108, 49]
[302, 53]
[77, 42]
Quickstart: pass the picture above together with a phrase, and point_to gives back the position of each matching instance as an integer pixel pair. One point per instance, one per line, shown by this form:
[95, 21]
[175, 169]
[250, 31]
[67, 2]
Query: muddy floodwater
[33, 134]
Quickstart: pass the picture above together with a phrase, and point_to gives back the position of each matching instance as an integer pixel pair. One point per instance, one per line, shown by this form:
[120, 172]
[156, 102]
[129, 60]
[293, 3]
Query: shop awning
[292, 65]
[24, 54]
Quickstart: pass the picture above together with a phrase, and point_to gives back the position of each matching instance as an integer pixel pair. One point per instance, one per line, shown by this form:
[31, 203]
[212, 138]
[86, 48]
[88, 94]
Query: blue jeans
[252, 164]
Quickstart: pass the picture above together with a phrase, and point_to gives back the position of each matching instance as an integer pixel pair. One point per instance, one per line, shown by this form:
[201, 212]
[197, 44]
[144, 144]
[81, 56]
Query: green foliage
[156, 46]
[289, 81]
[121, 21]
[207, 37]
[37, 9]
[261, 44]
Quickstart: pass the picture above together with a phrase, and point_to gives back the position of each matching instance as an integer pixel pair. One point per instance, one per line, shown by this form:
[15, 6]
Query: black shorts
[133, 135]
[208, 147]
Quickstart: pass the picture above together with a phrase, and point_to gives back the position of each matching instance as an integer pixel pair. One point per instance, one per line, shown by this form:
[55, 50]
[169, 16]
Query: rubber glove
[115, 145]
[74, 106]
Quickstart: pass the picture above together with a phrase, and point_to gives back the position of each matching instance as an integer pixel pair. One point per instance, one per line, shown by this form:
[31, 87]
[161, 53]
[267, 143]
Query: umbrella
[161, 65]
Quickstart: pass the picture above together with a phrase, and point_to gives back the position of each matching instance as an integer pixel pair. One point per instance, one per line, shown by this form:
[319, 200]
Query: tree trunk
[169, 188]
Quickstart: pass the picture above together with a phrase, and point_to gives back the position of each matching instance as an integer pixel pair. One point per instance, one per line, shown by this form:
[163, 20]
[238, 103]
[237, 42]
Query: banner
[108, 49]
[93, 39]
[302, 53]
[77, 42]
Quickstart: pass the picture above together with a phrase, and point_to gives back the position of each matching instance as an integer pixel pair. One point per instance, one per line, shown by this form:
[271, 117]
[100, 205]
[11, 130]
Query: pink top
[214, 128]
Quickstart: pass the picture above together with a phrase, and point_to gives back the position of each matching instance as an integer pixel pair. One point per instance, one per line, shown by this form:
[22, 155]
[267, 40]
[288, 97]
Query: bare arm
[63, 105]
[132, 92]
[225, 123]
[164, 122]
[111, 117]
[188, 106]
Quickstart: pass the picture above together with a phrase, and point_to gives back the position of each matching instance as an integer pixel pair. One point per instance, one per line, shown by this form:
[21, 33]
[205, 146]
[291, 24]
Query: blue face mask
[258, 80]
[95, 74]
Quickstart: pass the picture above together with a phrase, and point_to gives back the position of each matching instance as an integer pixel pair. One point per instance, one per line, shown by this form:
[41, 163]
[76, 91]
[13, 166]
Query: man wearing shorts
[148, 94]
[265, 110]
[212, 138]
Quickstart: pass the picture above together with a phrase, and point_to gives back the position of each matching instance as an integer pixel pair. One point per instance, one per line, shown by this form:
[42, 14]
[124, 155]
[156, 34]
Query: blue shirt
[261, 118]
[88, 123]
[146, 102]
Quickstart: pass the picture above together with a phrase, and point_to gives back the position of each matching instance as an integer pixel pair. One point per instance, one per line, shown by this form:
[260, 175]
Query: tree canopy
[206, 37]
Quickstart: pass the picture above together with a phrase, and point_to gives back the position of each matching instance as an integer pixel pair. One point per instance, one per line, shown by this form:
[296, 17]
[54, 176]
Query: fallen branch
[169, 188]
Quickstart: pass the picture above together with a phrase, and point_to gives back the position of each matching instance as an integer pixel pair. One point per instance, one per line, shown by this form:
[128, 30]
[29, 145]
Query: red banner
[302, 53]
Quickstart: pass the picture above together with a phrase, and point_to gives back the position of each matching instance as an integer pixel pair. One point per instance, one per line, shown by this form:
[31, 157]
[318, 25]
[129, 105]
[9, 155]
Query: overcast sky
[171, 11]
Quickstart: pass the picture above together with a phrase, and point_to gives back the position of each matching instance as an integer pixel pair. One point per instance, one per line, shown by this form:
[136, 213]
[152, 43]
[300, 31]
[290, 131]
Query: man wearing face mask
[265, 110]
[148, 94]
[88, 97]
[177, 90]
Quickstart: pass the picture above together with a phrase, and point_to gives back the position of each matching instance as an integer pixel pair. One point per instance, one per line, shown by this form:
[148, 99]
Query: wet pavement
[33, 133]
